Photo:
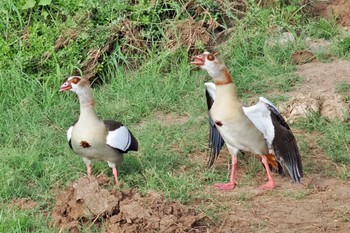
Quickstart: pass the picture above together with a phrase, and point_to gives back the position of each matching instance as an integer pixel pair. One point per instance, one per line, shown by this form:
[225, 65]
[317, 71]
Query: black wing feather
[278, 117]
[112, 125]
[70, 144]
[216, 142]
[70, 141]
[285, 146]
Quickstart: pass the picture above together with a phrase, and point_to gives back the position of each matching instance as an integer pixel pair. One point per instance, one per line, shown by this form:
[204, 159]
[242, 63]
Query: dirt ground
[319, 204]
[318, 91]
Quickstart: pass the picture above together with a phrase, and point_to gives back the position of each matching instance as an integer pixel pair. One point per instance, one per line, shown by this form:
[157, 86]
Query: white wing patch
[119, 138]
[69, 133]
[266, 101]
[211, 88]
[260, 115]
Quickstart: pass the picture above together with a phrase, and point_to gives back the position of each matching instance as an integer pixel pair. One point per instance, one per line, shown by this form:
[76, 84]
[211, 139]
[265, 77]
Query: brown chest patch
[218, 123]
[84, 144]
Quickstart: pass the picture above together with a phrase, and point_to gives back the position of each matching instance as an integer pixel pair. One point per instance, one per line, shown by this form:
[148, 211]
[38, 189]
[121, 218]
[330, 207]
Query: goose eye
[210, 57]
[75, 80]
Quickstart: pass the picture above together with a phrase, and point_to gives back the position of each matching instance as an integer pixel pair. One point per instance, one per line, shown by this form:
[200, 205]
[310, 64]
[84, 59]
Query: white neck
[86, 103]
[227, 92]
[220, 74]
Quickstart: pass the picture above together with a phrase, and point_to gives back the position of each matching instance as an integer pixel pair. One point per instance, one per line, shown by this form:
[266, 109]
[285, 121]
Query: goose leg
[270, 184]
[115, 173]
[88, 166]
[232, 183]
[89, 169]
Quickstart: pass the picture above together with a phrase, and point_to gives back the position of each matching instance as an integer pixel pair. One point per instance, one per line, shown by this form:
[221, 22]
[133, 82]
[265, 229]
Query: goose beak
[65, 86]
[198, 60]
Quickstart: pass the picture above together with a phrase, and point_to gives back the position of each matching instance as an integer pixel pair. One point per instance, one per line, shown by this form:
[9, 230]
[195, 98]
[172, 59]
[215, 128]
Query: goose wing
[216, 142]
[119, 137]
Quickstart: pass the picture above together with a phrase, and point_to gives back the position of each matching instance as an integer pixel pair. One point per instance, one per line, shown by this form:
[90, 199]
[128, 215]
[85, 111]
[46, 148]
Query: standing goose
[93, 138]
[259, 129]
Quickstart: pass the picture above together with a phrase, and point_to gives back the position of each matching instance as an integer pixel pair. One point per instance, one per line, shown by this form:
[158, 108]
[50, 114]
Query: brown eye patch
[210, 57]
[75, 80]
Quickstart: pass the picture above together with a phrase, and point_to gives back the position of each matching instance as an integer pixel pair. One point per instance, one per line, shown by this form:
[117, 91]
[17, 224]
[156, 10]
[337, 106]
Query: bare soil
[24, 203]
[319, 204]
[332, 9]
[87, 202]
[318, 91]
[171, 118]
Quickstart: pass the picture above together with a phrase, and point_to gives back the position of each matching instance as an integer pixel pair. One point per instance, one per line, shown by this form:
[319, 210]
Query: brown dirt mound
[85, 201]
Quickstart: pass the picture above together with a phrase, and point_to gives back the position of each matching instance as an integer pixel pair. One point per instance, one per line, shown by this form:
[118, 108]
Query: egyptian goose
[259, 129]
[93, 138]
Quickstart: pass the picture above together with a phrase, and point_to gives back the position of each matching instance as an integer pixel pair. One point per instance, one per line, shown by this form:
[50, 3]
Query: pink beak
[65, 86]
[198, 60]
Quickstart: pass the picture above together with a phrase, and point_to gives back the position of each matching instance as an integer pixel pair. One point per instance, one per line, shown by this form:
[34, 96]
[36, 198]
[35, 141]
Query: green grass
[343, 46]
[34, 155]
[323, 28]
[17, 220]
[334, 137]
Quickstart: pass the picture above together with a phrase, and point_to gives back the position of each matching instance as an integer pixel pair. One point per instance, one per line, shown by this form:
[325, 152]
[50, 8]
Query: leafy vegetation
[44, 41]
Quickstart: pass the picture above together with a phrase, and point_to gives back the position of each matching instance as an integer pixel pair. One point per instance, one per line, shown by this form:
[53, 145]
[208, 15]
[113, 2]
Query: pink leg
[115, 173]
[270, 184]
[230, 185]
[89, 169]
